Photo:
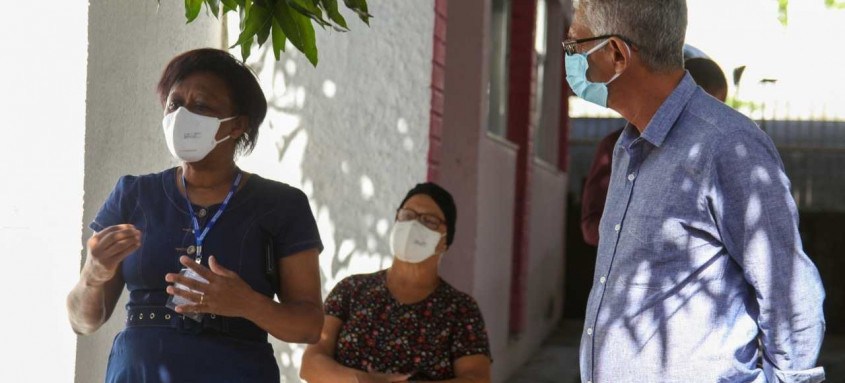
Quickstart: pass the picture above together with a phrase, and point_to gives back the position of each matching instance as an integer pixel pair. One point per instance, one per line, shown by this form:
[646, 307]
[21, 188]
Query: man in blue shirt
[700, 274]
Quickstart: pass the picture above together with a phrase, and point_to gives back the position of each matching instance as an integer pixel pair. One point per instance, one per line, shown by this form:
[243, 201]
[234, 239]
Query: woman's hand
[106, 249]
[224, 294]
[378, 377]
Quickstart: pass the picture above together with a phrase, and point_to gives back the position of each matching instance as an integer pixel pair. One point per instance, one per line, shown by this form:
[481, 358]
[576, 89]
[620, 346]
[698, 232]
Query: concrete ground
[557, 360]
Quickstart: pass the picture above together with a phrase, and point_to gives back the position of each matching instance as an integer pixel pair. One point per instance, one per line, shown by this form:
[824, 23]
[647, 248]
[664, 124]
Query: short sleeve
[298, 231]
[337, 303]
[118, 206]
[470, 336]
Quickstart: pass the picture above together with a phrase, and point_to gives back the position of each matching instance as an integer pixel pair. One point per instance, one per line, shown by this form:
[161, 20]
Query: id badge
[176, 300]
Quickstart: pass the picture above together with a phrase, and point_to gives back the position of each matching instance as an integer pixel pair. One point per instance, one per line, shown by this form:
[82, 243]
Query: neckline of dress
[437, 290]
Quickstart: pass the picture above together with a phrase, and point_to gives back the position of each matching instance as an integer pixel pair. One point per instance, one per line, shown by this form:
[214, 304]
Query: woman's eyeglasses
[430, 221]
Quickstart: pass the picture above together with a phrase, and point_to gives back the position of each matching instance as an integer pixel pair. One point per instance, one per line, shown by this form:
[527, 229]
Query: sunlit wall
[352, 133]
[42, 78]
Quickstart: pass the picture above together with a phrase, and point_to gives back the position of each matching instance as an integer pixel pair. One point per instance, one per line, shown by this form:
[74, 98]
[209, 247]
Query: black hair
[244, 91]
[706, 74]
[443, 200]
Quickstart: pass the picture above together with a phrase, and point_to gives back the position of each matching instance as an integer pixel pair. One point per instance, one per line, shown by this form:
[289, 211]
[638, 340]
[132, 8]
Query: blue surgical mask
[576, 76]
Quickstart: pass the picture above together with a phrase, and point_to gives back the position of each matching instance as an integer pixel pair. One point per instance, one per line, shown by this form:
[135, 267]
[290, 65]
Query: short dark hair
[706, 74]
[245, 92]
[443, 200]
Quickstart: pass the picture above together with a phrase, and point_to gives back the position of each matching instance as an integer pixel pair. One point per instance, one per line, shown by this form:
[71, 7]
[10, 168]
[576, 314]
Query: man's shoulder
[717, 117]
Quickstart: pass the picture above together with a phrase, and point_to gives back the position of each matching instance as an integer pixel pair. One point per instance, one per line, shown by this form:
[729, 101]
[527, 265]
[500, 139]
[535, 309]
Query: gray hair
[656, 27]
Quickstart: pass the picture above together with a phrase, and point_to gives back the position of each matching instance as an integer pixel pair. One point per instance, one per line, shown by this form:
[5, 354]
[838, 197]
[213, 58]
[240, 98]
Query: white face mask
[412, 242]
[190, 136]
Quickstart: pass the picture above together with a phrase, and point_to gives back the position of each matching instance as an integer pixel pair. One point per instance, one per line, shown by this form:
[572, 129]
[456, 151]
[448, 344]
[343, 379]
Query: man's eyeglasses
[430, 221]
[570, 46]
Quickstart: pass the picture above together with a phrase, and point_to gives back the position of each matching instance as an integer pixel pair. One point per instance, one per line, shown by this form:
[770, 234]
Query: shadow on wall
[352, 153]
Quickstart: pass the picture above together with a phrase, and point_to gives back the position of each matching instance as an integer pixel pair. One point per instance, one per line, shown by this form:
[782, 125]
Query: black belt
[158, 316]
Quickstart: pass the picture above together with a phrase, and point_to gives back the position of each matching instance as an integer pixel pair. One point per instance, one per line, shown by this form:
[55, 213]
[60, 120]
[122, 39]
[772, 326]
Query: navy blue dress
[265, 221]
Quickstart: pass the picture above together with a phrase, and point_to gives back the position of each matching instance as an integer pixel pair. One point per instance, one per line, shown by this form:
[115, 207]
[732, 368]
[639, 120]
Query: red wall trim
[521, 82]
[438, 85]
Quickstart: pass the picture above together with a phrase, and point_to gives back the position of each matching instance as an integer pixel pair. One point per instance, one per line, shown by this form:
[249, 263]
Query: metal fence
[813, 154]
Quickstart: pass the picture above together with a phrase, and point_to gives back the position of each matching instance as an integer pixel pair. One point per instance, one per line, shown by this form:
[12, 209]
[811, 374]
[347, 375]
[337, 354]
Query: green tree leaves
[280, 21]
[783, 9]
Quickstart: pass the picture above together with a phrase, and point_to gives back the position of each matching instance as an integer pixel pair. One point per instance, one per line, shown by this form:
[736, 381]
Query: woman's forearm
[318, 367]
[292, 322]
[467, 379]
[91, 303]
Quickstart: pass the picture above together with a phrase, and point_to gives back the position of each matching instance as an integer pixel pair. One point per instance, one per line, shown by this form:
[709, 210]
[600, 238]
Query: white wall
[130, 42]
[493, 266]
[42, 77]
[352, 133]
[481, 172]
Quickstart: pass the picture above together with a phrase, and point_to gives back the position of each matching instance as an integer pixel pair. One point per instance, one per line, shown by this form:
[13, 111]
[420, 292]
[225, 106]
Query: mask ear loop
[220, 121]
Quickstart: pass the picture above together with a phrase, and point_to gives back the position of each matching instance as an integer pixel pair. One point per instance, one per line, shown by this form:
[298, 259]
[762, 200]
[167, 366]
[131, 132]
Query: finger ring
[202, 298]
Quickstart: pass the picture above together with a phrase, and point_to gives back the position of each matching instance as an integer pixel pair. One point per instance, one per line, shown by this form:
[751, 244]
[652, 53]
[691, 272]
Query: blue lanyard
[200, 236]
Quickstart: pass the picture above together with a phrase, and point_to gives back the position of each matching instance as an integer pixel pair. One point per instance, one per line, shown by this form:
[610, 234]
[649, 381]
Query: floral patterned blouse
[423, 339]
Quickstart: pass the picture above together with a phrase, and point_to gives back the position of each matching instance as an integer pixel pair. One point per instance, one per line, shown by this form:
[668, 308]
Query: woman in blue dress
[203, 247]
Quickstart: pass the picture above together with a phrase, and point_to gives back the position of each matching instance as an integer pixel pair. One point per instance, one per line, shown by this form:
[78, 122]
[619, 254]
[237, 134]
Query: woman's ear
[239, 127]
[441, 246]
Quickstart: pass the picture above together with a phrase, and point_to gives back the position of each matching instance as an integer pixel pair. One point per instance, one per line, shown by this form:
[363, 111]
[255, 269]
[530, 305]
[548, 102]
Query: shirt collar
[666, 116]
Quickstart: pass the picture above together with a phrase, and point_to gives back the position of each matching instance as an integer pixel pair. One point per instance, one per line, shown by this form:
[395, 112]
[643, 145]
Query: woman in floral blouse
[404, 323]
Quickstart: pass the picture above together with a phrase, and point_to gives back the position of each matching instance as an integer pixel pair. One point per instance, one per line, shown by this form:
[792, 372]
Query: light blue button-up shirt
[700, 270]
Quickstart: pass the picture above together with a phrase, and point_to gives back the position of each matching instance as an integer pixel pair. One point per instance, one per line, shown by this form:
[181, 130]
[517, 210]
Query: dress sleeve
[118, 206]
[470, 336]
[337, 303]
[298, 229]
[758, 222]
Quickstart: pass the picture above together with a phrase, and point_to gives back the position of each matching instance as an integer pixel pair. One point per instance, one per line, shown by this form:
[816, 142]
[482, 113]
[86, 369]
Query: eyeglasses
[569, 46]
[430, 221]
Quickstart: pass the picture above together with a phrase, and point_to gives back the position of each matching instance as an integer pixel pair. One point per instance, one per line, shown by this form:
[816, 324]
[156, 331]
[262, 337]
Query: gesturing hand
[107, 248]
[224, 294]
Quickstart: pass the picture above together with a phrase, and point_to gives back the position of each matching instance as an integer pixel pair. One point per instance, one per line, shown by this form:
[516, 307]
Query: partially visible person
[404, 323]
[700, 271]
[216, 240]
[707, 74]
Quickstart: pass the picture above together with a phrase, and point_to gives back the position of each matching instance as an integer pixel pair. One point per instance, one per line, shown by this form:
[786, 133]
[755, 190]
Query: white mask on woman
[190, 136]
[412, 242]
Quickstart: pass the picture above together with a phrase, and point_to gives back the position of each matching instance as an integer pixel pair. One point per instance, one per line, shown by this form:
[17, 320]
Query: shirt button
[201, 213]
[631, 176]
[602, 280]
[617, 227]
[191, 249]
[590, 331]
